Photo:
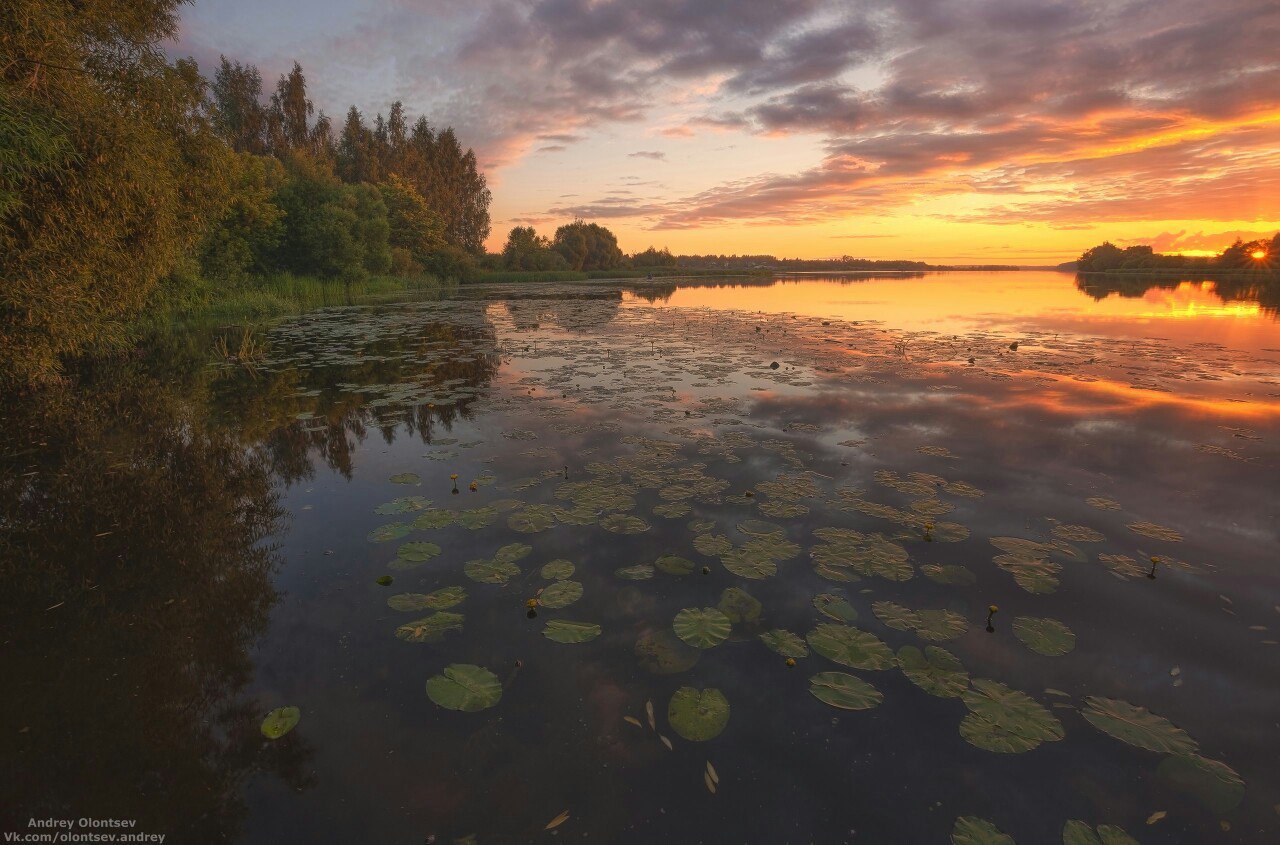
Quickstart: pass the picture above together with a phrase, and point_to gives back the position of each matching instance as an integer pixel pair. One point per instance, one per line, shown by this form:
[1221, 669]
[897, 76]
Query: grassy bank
[195, 301]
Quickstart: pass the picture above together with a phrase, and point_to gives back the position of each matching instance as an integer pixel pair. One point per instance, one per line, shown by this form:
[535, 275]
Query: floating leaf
[698, 715]
[739, 605]
[835, 607]
[390, 531]
[950, 574]
[971, 830]
[557, 821]
[431, 628]
[441, 599]
[404, 504]
[465, 687]
[557, 570]
[844, 691]
[490, 571]
[745, 564]
[566, 631]
[1137, 726]
[384, 580]
[532, 519]
[674, 565]
[280, 721]
[1214, 784]
[1077, 534]
[663, 653]
[560, 594]
[702, 628]
[639, 572]
[1006, 720]
[404, 478]
[418, 552]
[624, 524]
[933, 625]
[850, 646]
[785, 643]
[433, 519]
[935, 670]
[1156, 532]
[713, 545]
[1044, 636]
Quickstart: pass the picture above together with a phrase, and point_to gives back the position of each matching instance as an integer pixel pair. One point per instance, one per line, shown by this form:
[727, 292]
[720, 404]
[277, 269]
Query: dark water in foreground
[190, 545]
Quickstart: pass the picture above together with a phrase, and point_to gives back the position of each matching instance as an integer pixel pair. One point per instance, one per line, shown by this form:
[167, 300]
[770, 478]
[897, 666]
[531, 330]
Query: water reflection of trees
[135, 582]
[662, 291]
[573, 311]
[1264, 291]
[297, 415]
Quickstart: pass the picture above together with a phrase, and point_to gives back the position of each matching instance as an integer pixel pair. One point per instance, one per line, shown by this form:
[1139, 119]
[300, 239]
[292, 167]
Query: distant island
[1259, 256]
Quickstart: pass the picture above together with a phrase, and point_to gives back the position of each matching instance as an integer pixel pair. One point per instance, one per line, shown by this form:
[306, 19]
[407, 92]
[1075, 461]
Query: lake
[474, 540]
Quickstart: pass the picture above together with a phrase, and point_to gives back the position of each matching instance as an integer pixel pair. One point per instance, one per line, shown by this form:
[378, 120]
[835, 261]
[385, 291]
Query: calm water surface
[194, 544]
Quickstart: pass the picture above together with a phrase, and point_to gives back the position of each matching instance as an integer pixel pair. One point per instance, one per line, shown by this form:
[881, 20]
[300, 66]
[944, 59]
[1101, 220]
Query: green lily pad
[950, 574]
[663, 653]
[557, 570]
[1214, 784]
[702, 628]
[935, 670]
[465, 687]
[433, 519]
[639, 572]
[532, 519]
[390, 531]
[895, 615]
[835, 607]
[431, 628]
[404, 504]
[971, 830]
[1006, 720]
[744, 564]
[418, 552]
[850, 646]
[560, 594]
[1044, 636]
[384, 580]
[674, 565]
[620, 523]
[698, 715]
[1156, 532]
[1076, 832]
[568, 631]
[441, 599]
[477, 518]
[490, 571]
[405, 478]
[1137, 726]
[280, 721]
[739, 605]
[844, 691]
[760, 528]
[713, 545]
[785, 643]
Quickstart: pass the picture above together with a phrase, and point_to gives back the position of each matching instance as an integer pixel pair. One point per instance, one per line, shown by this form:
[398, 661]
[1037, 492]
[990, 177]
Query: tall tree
[292, 110]
[238, 114]
[125, 175]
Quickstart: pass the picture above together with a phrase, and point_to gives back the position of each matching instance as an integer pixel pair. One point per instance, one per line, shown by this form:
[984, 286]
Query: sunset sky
[944, 130]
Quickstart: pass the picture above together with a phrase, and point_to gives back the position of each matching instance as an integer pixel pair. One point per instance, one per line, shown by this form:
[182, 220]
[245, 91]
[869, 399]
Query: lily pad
[568, 631]
[1006, 720]
[1137, 726]
[532, 519]
[1156, 532]
[418, 552]
[835, 607]
[465, 687]
[785, 643]
[674, 565]
[739, 605]
[935, 670]
[950, 574]
[663, 653]
[441, 599]
[702, 628]
[490, 571]
[404, 504]
[405, 478]
[431, 628]
[850, 646]
[560, 594]
[639, 572]
[971, 830]
[390, 531]
[1214, 784]
[557, 570]
[744, 564]
[698, 715]
[1076, 832]
[433, 519]
[844, 691]
[1044, 636]
[280, 721]
[624, 524]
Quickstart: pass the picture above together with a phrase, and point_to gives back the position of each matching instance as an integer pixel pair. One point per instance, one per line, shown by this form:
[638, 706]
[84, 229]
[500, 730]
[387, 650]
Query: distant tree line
[1241, 255]
[122, 174]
